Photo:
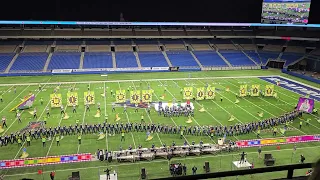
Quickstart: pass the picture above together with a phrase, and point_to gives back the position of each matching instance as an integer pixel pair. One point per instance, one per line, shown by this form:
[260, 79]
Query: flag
[120, 96]
[135, 97]
[255, 90]
[188, 93]
[72, 98]
[269, 90]
[146, 96]
[243, 90]
[25, 104]
[210, 94]
[200, 93]
[89, 97]
[55, 100]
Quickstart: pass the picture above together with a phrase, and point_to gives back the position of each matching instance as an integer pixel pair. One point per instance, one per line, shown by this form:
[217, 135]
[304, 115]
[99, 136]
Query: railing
[289, 168]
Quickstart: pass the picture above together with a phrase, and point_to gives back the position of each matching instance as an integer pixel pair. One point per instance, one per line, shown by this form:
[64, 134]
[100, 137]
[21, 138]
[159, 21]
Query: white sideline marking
[115, 81]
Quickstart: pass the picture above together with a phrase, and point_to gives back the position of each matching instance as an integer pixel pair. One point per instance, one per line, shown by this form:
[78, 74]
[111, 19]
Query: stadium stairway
[220, 55]
[12, 62]
[45, 68]
[240, 48]
[167, 59]
[196, 59]
[137, 59]
[114, 62]
[294, 62]
[81, 60]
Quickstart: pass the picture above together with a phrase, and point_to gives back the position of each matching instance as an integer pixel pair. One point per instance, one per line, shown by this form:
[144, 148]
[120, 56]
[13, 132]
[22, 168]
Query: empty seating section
[316, 51]
[145, 41]
[226, 46]
[197, 41]
[209, 58]
[38, 42]
[220, 41]
[274, 48]
[67, 48]
[124, 48]
[151, 32]
[122, 42]
[237, 58]
[173, 45]
[65, 60]
[148, 48]
[9, 42]
[173, 33]
[122, 32]
[242, 41]
[126, 59]
[7, 48]
[264, 56]
[201, 47]
[35, 48]
[69, 42]
[181, 58]
[198, 33]
[290, 57]
[98, 48]
[97, 60]
[270, 41]
[29, 62]
[5, 59]
[295, 49]
[255, 56]
[152, 59]
[250, 47]
[97, 42]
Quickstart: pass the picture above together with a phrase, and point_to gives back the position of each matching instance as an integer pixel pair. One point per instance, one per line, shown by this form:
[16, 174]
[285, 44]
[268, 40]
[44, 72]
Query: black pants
[35, 116]
[43, 144]
[28, 143]
[74, 111]
[122, 138]
[4, 124]
[48, 114]
[79, 141]
[58, 143]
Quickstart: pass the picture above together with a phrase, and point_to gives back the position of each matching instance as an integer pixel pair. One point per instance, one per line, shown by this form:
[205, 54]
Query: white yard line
[105, 111]
[134, 142]
[149, 116]
[160, 161]
[7, 90]
[65, 109]
[116, 81]
[209, 112]
[264, 109]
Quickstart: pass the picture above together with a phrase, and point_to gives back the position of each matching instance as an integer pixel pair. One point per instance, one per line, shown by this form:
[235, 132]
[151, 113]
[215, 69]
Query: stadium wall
[301, 76]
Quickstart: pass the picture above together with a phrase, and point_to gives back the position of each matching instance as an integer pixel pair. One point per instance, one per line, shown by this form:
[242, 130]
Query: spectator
[194, 170]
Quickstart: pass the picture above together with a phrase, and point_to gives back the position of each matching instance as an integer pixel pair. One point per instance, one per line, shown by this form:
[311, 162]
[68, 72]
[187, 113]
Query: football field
[168, 86]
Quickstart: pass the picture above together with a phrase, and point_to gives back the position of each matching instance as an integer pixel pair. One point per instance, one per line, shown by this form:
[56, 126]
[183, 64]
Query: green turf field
[217, 113]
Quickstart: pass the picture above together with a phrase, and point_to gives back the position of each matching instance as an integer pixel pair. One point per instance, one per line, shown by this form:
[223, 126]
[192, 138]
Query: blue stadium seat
[152, 59]
[254, 56]
[209, 58]
[171, 41]
[197, 41]
[126, 59]
[290, 57]
[5, 59]
[29, 62]
[181, 58]
[265, 55]
[97, 60]
[65, 60]
[237, 58]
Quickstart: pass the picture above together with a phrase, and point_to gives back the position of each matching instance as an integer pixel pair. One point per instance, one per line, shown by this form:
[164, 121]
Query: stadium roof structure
[87, 23]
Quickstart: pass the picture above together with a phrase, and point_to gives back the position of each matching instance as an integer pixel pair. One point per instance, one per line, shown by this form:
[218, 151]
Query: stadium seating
[97, 60]
[145, 41]
[237, 58]
[122, 42]
[37, 42]
[290, 58]
[29, 62]
[209, 58]
[69, 42]
[181, 58]
[152, 59]
[255, 56]
[64, 60]
[126, 60]
[265, 55]
[97, 42]
[5, 59]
